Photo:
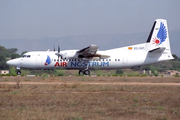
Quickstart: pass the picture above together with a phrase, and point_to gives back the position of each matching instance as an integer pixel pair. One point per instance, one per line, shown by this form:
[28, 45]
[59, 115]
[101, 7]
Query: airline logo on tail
[161, 36]
[48, 60]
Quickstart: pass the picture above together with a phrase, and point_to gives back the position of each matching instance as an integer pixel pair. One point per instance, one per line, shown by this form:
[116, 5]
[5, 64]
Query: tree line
[7, 54]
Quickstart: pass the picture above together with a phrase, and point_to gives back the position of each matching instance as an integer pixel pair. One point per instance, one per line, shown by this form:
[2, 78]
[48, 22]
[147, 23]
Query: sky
[33, 19]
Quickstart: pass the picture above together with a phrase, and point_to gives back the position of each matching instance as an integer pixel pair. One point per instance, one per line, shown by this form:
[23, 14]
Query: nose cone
[9, 62]
[13, 62]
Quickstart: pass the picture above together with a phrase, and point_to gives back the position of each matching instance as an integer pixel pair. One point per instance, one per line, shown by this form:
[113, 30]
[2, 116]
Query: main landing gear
[84, 72]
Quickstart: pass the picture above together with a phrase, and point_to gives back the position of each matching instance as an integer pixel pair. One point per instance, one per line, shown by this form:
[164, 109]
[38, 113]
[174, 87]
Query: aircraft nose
[9, 62]
[13, 62]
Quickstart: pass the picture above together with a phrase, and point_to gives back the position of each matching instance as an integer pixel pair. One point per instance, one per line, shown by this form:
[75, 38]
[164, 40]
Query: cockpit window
[26, 56]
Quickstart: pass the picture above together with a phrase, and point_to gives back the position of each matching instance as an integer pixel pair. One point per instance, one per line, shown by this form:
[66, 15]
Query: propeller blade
[58, 49]
[54, 48]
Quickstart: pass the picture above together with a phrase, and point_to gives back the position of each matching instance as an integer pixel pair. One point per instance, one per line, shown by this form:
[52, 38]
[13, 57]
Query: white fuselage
[119, 58]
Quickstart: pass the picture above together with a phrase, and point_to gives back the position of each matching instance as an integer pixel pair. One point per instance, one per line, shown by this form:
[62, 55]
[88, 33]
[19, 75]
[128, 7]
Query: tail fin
[158, 40]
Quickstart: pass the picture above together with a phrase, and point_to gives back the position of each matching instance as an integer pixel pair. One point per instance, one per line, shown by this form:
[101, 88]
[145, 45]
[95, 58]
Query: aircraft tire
[81, 72]
[86, 72]
[18, 72]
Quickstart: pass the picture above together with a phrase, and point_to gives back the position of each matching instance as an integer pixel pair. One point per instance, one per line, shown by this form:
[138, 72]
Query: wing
[88, 51]
[162, 33]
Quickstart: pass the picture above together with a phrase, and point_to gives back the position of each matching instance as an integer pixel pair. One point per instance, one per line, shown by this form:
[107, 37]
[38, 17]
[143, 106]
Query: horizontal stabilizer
[158, 50]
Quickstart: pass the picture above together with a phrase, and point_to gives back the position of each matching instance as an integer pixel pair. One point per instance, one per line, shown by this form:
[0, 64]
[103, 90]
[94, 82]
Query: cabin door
[38, 60]
[124, 61]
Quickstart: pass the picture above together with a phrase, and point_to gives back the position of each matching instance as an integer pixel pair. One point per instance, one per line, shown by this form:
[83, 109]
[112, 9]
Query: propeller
[54, 48]
[58, 53]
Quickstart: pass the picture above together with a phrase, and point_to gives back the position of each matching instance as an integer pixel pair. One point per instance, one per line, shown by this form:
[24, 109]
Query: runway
[91, 83]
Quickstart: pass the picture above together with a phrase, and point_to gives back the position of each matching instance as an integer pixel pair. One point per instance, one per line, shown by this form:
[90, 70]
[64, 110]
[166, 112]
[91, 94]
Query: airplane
[156, 49]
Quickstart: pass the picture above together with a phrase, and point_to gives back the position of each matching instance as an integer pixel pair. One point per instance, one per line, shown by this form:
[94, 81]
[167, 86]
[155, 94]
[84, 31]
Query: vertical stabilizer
[158, 39]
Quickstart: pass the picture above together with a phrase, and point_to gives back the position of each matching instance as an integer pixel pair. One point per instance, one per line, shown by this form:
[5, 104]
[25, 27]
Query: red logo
[156, 41]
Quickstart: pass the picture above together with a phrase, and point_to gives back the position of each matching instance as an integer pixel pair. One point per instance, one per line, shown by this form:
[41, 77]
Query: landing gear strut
[84, 72]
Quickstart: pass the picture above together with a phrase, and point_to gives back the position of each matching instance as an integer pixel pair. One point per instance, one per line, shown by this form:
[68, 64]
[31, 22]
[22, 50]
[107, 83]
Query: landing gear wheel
[86, 72]
[18, 72]
[81, 72]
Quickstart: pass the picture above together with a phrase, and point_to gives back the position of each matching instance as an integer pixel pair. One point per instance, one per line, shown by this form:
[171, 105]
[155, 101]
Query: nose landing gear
[18, 72]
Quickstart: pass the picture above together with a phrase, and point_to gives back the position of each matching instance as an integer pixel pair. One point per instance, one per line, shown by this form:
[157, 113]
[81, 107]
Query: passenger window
[118, 59]
[115, 59]
[109, 59]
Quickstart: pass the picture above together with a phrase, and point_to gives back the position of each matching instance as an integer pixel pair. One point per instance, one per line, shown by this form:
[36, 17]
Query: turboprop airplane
[156, 49]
